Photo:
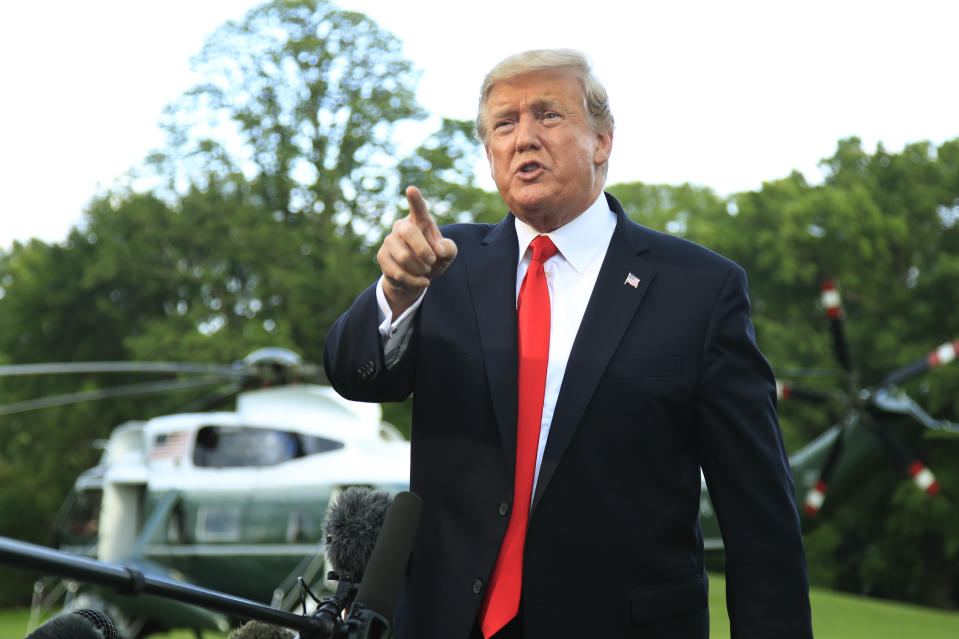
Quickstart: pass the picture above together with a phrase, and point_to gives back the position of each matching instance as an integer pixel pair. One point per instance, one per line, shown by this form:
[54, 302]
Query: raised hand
[413, 254]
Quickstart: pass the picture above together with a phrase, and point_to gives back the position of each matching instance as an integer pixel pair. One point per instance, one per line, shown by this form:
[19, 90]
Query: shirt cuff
[394, 335]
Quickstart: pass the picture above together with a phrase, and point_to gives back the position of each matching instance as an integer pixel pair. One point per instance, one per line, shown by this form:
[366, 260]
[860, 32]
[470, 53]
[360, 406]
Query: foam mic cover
[383, 580]
[79, 624]
[260, 630]
[351, 527]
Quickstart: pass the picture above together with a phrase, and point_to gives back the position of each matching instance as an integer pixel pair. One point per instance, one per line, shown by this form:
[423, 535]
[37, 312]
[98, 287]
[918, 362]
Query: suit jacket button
[477, 586]
[366, 370]
[503, 508]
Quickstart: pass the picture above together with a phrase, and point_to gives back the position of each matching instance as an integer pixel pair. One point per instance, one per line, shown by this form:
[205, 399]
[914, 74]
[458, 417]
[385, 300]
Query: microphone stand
[130, 581]
[329, 614]
[360, 623]
[379, 590]
[364, 623]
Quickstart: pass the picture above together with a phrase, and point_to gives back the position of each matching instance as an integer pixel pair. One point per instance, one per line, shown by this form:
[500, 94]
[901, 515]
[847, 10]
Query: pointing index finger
[421, 215]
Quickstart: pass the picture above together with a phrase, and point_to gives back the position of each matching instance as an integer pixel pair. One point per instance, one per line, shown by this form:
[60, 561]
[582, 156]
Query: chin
[542, 220]
[529, 212]
[529, 204]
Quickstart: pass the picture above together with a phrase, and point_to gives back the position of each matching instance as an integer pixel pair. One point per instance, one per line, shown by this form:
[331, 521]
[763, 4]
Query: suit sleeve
[353, 356]
[747, 474]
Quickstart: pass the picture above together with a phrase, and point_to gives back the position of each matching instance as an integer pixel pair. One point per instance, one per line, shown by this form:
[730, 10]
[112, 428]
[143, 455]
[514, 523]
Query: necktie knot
[543, 248]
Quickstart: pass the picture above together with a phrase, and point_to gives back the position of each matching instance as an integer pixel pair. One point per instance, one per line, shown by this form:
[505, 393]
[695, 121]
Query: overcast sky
[725, 94]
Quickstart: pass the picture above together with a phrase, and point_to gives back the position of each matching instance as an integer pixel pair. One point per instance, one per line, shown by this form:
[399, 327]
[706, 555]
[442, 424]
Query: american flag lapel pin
[632, 280]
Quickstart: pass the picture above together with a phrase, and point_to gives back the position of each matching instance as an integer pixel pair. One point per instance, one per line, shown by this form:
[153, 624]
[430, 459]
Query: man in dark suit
[641, 370]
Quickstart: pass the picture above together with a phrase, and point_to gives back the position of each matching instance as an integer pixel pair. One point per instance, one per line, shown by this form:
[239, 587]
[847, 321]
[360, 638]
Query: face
[544, 155]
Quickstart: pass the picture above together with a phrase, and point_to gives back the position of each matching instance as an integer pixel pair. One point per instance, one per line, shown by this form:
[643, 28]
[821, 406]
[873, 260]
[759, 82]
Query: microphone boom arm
[371, 605]
[131, 581]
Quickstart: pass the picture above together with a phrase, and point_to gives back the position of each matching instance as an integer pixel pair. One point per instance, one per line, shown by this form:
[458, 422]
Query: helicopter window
[79, 525]
[218, 524]
[314, 445]
[238, 446]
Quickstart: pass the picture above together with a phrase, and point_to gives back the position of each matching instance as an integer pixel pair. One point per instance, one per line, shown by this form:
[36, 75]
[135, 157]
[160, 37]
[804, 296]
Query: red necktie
[502, 596]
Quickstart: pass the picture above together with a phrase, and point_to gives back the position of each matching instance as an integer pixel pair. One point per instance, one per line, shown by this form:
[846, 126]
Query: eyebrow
[539, 104]
[547, 103]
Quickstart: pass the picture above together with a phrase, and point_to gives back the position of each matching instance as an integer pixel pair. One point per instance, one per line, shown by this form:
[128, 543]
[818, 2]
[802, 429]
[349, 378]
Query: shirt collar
[579, 239]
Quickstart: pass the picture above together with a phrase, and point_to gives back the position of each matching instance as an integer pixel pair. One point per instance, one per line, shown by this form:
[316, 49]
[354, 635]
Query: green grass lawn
[835, 616]
[840, 616]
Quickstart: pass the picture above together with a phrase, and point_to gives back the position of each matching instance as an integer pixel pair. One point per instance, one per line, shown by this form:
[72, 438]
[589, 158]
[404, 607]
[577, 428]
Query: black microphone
[352, 527]
[79, 624]
[372, 613]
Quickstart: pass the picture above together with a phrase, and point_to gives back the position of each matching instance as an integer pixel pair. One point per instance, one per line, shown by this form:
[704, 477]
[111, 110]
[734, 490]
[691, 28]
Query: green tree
[216, 277]
[444, 168]
[884, 226]
[301, 98]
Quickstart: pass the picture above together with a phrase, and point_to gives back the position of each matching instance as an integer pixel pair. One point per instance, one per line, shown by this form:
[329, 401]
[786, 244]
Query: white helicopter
[229, 501]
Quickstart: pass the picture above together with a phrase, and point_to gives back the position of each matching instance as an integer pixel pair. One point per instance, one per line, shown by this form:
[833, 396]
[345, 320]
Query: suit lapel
[491, 273]
[609, 312]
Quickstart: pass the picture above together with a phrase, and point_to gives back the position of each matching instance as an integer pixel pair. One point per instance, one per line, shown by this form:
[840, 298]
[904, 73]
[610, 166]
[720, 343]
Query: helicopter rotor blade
[808, 371]
[920, 474]
[817, 492]
[264, 367]
[832, 304]
[146, 388]
[786, 391]
[943, 354]
[211, 399]
[59, 368]
[915, 468]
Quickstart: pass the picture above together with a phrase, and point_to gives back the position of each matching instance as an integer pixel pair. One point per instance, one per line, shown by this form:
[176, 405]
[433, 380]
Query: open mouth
[530, 167]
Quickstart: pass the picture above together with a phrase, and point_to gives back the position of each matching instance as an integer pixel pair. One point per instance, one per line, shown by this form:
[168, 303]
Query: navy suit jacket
[664, 378]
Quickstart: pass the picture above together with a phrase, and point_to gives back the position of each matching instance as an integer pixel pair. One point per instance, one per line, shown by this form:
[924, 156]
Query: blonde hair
[594, 93]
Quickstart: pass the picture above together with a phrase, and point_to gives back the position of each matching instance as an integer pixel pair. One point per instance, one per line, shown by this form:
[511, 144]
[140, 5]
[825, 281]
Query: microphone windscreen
[380, 589]
[260, 630]
[351, 528]
[79, 624]
[100, 621]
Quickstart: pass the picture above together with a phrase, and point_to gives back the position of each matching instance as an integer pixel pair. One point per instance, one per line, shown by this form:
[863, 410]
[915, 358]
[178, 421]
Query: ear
[603, 148]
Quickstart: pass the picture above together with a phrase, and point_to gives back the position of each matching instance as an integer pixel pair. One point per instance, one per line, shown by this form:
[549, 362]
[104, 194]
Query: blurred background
[192, 181]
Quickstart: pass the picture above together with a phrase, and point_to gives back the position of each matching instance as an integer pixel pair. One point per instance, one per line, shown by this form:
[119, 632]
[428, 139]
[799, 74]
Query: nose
[527, 133]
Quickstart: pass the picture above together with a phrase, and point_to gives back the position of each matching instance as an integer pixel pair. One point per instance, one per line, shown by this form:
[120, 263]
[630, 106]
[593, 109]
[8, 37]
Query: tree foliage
[301, 98]
[444, 168]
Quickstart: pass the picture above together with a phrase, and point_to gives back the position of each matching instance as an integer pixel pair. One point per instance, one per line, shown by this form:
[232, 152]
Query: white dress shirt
[570, 275]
